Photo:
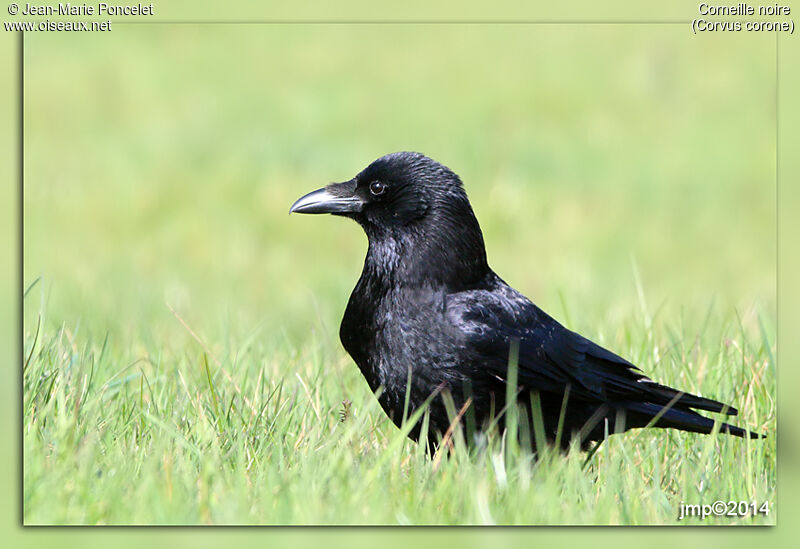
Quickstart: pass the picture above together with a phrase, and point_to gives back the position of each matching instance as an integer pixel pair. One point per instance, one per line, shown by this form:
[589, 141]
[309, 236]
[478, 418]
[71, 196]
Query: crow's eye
[377, 188]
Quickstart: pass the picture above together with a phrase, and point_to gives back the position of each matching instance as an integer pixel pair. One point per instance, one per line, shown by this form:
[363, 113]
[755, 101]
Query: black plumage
[428, 314]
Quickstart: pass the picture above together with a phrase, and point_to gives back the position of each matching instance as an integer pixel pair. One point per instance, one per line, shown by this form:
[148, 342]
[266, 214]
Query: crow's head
[394, 191]
[414, 210]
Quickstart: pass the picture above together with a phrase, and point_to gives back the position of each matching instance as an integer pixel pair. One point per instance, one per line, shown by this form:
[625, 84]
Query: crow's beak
[338, 198]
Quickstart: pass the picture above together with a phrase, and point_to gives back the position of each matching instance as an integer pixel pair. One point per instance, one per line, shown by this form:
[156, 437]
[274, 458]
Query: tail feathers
[687, 400]
[640, 414]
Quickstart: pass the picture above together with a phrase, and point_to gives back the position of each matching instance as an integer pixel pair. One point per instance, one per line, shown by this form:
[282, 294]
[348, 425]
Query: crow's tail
[661, 394]
[641, 414]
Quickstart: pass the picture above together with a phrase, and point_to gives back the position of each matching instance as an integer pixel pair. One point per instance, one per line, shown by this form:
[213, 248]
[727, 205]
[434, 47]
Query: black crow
[428, 315]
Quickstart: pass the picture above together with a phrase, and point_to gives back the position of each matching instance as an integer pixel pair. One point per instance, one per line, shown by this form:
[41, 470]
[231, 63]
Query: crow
[429, 318]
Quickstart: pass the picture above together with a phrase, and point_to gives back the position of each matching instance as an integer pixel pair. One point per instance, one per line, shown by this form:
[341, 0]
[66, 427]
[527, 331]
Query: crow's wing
[551, 357]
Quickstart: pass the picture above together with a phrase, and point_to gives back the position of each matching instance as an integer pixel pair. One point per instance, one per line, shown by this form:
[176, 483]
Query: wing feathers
[552, 357]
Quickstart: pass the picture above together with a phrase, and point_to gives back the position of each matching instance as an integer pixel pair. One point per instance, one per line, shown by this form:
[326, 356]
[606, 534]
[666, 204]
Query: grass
[260, 434]
[182, 364]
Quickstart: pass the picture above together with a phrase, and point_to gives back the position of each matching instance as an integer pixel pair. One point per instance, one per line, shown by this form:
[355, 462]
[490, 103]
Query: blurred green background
[618, 172]
[161, 161]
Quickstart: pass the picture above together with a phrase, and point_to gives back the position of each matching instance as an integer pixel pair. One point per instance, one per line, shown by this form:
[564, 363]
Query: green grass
[180, 333]
[258, 434]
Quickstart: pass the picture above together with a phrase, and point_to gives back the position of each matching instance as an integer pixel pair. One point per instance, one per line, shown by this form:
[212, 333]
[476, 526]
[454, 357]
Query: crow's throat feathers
[443, 249]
